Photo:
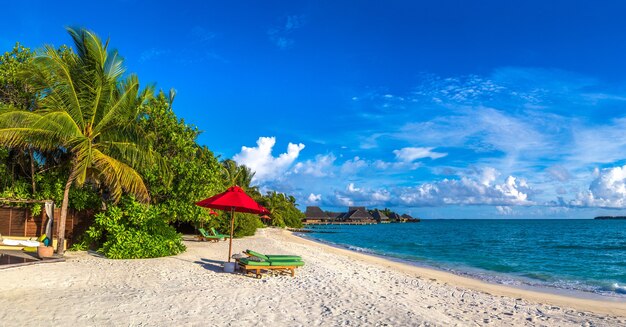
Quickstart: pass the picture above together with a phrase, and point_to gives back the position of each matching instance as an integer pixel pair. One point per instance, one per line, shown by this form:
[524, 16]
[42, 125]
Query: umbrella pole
[232, 227]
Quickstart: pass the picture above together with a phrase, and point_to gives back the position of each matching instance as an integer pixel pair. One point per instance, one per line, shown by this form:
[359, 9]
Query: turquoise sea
[582, 255]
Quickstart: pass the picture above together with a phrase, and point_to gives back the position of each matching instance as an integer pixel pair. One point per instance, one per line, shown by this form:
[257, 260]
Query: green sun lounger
[273, 257]
[249, 265]
[204, 236]
[218, 234]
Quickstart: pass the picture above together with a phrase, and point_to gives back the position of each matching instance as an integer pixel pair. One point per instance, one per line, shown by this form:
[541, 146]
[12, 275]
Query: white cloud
[559, 173]
[475, 189]
[353, 165]
[411, 154]
[504, 210]
[263, 163]
[488, 175]
[598, 144]
[343, 200]
[607, 190]
[480, 129]
[467, 192]
[320, 167]
[362, 196]
[314, 198]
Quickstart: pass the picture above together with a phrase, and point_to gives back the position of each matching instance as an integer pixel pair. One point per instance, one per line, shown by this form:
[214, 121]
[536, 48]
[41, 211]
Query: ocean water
[582, 255]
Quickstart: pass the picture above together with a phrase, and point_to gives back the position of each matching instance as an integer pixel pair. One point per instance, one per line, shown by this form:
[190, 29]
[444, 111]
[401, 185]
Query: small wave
[617, 288]
[538, 276]
[360, 249]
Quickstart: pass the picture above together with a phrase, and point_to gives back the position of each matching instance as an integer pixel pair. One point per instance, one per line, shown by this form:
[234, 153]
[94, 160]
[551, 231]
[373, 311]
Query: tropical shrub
[131, 230]
[245, 224]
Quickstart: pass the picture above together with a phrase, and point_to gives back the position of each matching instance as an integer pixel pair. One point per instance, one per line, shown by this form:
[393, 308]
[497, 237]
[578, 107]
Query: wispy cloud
[152, 54]
[282, 36]
[198, 47]
[201, 35]
[410, 154]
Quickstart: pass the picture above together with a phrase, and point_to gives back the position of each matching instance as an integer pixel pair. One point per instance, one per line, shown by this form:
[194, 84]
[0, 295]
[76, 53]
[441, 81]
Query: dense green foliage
[245, 224]
[76, 129]
[26, 173]
[191, 172]
[131, 230]
[283, 209]
[89, 110]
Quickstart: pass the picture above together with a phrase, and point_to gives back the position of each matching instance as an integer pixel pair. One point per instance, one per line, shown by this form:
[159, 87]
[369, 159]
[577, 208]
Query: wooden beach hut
[396, 218]
[315, 215]
[358, 215]
[380, 217]
[408, 218]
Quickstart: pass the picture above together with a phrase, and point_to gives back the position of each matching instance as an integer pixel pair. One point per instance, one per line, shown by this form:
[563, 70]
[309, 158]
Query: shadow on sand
[212, 265]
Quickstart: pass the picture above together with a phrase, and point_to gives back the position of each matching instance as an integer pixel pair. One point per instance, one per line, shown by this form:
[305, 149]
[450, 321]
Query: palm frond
[52, 74]
[119, 109]
[119, 177]
[23, 137]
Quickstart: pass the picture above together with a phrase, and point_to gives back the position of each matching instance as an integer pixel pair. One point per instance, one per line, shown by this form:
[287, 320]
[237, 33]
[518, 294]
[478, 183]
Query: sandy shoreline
[336, 287]
[612, 306]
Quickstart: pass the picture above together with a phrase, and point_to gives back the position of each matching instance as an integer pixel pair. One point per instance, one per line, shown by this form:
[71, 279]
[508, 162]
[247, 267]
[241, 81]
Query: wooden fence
[16, 221]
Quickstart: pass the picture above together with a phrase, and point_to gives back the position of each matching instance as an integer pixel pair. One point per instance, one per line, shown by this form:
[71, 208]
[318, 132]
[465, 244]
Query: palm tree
[89, 111]
[230, 171]
[241, 175]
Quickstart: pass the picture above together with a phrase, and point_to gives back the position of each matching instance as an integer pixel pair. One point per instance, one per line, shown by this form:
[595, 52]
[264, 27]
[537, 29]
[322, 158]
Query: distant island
[610, 217]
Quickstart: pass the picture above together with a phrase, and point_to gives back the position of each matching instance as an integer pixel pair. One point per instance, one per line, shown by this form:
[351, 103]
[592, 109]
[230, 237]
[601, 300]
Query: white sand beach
[335, 287]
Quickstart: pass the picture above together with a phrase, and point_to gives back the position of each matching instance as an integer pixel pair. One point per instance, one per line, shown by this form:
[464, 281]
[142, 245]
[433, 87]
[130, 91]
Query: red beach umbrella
[234, 199]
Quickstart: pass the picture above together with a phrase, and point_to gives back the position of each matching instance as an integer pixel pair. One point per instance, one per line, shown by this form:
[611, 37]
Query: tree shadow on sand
[212, 265]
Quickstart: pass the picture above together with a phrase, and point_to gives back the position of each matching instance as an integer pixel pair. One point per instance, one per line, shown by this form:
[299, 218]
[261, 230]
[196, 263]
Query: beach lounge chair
[257, 262]
[204, 236]
[224, 236]
[270, 257]
[248, 265]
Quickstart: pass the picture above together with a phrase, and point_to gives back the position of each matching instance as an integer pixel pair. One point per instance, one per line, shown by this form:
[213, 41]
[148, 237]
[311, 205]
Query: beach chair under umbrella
[233, 199]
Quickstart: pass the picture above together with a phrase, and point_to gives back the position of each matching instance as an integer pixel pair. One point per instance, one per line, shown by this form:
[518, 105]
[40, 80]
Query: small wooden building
[396, 218]
[315, 215]
[380, 217]
[410, 219]
[359, 215]
[20, 222]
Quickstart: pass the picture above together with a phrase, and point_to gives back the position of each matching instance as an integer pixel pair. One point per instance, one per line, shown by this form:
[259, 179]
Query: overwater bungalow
[410, 219]
[396, 218]
[354, 216]
[380, 217]
[358, 215]
[315, 215]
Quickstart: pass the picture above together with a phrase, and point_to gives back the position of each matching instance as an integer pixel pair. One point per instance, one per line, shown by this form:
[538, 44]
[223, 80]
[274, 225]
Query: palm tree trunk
[61, 228]
[32, 168]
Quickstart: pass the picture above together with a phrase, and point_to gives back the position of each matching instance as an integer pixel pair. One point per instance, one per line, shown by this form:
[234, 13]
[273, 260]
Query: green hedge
[131, 231]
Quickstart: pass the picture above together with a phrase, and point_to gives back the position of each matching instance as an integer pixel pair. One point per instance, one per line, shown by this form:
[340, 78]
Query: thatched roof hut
[380, 216]
[314, 214]
[358, 214]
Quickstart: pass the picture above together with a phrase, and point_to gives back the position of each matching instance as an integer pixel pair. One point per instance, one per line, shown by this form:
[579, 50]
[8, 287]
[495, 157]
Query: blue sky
[443, 109]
